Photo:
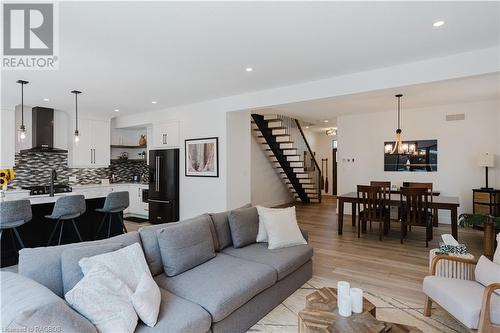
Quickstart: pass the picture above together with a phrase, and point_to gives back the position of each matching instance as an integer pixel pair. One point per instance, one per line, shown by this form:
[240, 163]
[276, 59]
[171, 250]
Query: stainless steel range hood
[43, 131]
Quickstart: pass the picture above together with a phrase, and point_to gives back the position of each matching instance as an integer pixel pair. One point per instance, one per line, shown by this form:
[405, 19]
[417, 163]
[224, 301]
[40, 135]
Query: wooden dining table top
[396, 198]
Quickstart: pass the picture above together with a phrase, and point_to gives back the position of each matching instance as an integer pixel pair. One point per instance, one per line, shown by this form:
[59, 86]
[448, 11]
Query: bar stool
[67, 208]
[115, 204]
[14, 214]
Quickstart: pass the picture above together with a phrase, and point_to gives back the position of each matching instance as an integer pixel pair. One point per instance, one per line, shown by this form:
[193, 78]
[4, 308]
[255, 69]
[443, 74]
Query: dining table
[439, 202]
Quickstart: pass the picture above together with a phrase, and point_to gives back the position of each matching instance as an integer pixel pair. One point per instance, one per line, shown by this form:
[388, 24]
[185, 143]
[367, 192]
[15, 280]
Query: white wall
[268, 189]
[460, 144]
[238, 159]
[198, 195]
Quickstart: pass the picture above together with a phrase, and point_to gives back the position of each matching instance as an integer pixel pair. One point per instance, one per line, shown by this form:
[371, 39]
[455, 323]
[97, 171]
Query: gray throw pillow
[186, 245]
[71, 271]
[244, 225]
[222, 230]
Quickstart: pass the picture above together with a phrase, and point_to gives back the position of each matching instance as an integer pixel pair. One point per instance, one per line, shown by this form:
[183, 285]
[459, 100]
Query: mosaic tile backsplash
[34, 169]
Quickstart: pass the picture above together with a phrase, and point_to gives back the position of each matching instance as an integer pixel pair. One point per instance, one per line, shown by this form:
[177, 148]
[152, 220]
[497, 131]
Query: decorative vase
[142, 140]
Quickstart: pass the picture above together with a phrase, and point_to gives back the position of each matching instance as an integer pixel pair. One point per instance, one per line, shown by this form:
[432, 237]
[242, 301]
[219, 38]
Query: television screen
[412, 156]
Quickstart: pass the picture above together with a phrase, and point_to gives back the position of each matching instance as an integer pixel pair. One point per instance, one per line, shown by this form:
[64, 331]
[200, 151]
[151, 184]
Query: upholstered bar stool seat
[67, 208]
[115, 204]
[14, 214]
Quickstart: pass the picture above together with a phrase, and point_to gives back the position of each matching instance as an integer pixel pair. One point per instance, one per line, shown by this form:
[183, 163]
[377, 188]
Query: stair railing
[294, 130]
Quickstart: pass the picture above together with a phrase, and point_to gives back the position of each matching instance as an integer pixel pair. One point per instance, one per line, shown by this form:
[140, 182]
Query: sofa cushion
[151, 248]
[178, 315]
[284, 261]
[222, 230]
[43, 264]
[244, 225]
[186, 245]
[220, 285]
[461, 298]
[487, 272]
[71, 271]
[27, 306]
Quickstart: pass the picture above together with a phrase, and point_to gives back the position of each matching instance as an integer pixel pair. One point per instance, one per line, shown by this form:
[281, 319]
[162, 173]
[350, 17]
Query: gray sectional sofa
[229, 292]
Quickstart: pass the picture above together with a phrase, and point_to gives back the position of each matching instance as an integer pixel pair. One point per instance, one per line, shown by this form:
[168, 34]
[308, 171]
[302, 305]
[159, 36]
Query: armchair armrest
[464, 261]
[484, 319]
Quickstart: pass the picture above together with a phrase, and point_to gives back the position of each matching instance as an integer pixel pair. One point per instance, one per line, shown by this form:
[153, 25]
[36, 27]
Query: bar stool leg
[122, 223]
[109, 223]
[53, 232]
[60, 232]
[76, 229]
[18, 238]
[100, 225]
[14, 245]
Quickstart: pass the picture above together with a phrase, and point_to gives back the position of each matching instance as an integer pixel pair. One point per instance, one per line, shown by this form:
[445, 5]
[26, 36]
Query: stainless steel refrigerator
[163, 196]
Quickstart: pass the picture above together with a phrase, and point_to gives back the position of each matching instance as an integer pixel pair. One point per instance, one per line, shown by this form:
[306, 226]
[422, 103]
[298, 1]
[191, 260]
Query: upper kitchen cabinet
[92, 149]
[166, 135]
[7, 138]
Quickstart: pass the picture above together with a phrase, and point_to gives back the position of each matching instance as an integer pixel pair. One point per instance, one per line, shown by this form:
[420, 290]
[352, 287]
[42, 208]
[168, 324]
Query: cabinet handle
[90, 155]
[164, 139]
[94, 155]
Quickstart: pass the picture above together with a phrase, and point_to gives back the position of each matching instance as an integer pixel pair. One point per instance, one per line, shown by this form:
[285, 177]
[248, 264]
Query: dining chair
[371, 205]
[386, 193]
[429, 187]
[416, 211]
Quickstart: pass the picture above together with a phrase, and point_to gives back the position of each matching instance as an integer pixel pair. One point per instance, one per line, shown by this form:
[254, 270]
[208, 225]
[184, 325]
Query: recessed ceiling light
[307, 126]
[249, 69]
[117, 110]
[45, 99]
[438, 24]
[154, 102]
[325, 121]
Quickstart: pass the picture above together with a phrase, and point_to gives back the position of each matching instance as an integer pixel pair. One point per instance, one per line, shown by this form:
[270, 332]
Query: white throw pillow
[147, 299]
[128, 264]
[104, 299]
[496, 256]
[487, 272]
[262, 233]
[282, 229]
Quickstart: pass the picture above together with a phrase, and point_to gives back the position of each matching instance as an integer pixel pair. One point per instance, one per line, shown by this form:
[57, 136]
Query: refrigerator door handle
[157, 174]
[159, 201]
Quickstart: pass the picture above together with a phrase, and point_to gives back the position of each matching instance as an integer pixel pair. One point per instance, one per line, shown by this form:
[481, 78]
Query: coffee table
[321, 315]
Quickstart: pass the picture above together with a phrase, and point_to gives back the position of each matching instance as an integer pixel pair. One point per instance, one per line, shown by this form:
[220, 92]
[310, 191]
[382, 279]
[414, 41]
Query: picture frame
[202, 157]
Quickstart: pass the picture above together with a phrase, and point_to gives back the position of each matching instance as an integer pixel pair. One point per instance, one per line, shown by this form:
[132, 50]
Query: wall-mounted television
[414, 156]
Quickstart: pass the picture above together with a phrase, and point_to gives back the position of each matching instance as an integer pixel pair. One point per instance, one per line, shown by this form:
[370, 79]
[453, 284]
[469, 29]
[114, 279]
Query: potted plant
[488, 224]
[6, 176]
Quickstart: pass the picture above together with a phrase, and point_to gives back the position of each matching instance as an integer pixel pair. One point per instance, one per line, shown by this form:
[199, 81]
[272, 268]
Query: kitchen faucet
[53, 176]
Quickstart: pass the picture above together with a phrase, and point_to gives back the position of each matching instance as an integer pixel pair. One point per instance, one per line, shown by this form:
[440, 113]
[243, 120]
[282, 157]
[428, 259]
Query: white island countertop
[90, 191]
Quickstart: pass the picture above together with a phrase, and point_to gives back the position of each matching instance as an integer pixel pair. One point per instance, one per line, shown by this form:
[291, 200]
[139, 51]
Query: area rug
[283, 319]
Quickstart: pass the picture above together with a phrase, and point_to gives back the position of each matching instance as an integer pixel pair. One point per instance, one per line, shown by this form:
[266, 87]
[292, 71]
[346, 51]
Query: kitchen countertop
[19, 194]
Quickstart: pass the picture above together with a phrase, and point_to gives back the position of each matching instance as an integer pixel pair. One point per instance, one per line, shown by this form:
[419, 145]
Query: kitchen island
[36, 232]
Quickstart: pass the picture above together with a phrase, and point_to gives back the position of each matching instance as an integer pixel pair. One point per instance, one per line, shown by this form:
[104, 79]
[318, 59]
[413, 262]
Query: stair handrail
[313, 157]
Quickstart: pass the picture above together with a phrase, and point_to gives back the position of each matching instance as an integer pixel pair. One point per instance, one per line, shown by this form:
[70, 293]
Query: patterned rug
[283, 319]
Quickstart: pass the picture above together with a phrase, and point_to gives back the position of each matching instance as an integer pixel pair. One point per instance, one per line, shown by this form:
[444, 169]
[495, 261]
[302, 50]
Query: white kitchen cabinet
[92, 149]
[7, 138]
[166, 135]
[137, 207]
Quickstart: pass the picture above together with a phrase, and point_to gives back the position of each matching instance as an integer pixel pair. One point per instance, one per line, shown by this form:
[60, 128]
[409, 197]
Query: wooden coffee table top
[321, 315]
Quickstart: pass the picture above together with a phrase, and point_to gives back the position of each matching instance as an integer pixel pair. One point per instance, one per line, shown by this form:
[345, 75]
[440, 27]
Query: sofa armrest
[465, 262]
[305, 234]
[484, 319]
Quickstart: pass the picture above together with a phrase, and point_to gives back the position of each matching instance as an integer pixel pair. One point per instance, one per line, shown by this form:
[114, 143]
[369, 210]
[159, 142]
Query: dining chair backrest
[385, 186]
[415, 205]
[427, 186]
[371, 202]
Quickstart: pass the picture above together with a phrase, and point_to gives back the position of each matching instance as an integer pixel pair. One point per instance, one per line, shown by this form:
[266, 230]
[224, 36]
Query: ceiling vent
[455, 117]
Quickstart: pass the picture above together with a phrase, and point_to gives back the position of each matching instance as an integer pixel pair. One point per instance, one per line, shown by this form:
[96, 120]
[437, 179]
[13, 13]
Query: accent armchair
[475, 305]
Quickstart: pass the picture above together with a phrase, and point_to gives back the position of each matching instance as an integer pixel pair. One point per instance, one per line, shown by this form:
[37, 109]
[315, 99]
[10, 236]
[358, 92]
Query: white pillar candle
[345, 306]
[343, 289]
[356, 300]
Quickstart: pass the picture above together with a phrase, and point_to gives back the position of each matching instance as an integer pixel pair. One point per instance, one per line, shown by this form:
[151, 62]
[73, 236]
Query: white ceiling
[126, 54]
[483, 87]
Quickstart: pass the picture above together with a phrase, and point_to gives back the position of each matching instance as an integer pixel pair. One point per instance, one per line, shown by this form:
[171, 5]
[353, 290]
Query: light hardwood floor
[384, 267]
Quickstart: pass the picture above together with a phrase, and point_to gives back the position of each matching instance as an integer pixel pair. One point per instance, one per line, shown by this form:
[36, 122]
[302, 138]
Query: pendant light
[22, 128]
[77, 134]
[398, 145]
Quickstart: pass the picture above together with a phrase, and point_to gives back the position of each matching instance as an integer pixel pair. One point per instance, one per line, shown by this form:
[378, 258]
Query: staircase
[284, 142]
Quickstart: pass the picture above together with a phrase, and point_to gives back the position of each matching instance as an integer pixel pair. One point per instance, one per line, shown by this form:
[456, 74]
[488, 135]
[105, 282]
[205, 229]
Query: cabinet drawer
[482, 197]
[481, 209]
